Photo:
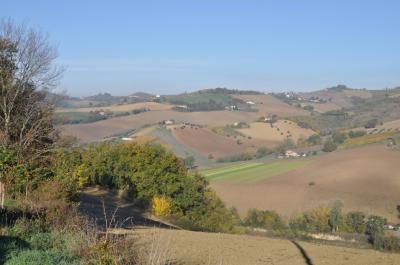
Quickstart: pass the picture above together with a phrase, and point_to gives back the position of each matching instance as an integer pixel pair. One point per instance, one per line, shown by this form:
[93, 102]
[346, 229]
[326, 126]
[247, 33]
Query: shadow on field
[106, 208]
[306, 258]
[9, 244]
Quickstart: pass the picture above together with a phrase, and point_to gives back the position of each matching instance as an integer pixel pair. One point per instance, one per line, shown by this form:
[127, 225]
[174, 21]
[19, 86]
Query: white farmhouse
[290, 153]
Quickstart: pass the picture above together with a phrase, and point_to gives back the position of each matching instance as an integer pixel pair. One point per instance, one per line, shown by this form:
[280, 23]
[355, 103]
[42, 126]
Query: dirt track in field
[185, 247]
[365, 179]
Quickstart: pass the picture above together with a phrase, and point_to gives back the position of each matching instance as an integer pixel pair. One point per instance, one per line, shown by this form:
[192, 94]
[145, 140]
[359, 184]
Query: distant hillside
[223, 90]
[98, 100]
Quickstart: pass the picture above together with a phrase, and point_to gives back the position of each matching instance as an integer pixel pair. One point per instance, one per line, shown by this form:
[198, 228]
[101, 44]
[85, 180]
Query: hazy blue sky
[175, 46]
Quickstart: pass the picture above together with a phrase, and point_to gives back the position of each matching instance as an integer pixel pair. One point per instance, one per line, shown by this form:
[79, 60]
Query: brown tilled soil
[267, 104]
[98, 130]
[206, 142]
[365, 179]
[124, 107]
[185, 247]
[158, 239]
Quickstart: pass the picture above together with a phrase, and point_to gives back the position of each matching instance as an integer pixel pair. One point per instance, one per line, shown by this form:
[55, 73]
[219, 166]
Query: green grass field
[252, 171]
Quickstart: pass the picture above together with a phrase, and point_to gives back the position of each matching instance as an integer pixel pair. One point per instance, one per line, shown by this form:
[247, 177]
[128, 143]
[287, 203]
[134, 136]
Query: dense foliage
[329, 146]
[144, 171]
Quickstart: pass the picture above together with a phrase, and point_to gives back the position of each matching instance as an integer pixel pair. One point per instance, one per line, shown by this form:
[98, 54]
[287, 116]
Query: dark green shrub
[329, 146]
[355, 134]
[235, 158]
[314, 139]
[375, 227]
[371, 124]
[262, 151]
[41, 241]
[354, 222]
[339, 137]
[388, 243]
[264, 219]
[315, 220]
[35, 257]
[146, 171]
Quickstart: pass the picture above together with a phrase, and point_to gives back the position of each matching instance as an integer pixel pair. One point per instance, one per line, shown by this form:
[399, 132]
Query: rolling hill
[365, 178]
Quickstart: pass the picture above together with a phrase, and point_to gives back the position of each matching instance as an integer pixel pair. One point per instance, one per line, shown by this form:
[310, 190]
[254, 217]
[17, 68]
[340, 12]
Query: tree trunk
[2, 195]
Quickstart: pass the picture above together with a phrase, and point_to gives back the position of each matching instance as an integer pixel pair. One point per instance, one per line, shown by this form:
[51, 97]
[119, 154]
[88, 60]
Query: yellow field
[280, 131]
[367, 139]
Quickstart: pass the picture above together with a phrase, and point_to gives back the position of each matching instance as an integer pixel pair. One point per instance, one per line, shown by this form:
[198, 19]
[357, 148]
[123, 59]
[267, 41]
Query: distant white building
[127, 139]
[181, 106]
[169, 122]
[232, 108]
[250, 103]
[290, 153]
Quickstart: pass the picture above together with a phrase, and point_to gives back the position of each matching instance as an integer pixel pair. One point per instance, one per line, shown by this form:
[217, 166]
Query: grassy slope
[252, 172]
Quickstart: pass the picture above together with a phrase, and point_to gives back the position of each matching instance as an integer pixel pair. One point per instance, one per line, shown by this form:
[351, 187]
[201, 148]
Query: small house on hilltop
[169, 122]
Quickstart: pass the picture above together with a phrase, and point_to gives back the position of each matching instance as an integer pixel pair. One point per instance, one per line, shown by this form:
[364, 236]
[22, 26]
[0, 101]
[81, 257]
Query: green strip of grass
[253, 172]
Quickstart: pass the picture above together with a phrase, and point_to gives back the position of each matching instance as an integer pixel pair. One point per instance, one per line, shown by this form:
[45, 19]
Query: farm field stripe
[258, 172]
[217, 171]
[239, 173]
[276, 169]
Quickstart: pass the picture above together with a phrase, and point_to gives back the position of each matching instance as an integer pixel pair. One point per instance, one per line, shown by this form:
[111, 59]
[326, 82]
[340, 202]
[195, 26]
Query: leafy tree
[146, 171]
[315, 220]
[335, 215]
[308, 107]
[262, 151]
[314, 139]
[286, 145]
[375, 227]
[371, 124]
[355, 222]
[26, 72]
[398, 211]
[264, 219]
[329, 146]
[339, 137]
[355, 134]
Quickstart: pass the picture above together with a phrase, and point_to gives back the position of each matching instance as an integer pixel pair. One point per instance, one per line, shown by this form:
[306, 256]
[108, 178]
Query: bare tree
[27, 72]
